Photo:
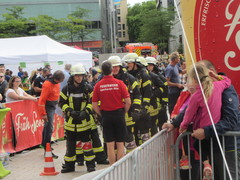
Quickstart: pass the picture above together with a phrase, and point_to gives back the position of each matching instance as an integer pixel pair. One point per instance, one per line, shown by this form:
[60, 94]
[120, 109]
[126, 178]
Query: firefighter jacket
[163, 88]
[78, 99]
[144, 82]
[156, 94]
[134, 92]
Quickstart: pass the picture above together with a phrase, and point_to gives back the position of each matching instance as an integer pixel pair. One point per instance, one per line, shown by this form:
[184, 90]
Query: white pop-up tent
[35, 51]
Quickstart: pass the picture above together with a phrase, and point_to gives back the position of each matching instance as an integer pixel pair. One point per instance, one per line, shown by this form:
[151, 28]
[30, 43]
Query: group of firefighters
[148, 92]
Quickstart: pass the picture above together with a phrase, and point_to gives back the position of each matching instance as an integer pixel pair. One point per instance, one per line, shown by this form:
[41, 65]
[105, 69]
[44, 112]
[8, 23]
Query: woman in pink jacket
[197, 113]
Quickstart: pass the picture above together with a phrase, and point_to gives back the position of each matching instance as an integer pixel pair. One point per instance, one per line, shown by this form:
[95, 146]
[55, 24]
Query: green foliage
[147, 24]
[13, 23]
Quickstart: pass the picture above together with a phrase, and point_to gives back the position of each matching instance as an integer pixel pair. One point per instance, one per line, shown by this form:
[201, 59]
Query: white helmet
[151, 60]
[130, 57]
[78, 69]
[115, 60]
[142, 61]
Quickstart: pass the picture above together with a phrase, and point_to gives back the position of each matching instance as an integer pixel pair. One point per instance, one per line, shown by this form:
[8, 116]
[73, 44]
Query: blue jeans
[48, 125]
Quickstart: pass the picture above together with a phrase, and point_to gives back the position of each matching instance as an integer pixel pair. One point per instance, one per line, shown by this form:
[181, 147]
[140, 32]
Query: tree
[45, 25]
[76, 26]
[14, 24]
[147, 24]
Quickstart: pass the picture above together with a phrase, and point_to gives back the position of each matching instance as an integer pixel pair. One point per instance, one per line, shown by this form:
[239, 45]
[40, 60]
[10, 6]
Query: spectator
[3, 70]
[37, 86]
[47, 105]
[111, 92]
[20, 72]
[66, 75]
[183, 73]
[3, 87]
[94, 77]
[172, 77]
[15, 93]
[25, 82]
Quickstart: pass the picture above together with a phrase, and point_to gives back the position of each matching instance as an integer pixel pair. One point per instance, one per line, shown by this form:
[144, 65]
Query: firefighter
[136, 69]
[75, 103]
[133, 114]
[152, 67]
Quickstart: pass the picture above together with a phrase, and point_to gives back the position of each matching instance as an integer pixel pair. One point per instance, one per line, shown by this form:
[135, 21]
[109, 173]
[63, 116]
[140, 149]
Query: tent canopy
[40, 49]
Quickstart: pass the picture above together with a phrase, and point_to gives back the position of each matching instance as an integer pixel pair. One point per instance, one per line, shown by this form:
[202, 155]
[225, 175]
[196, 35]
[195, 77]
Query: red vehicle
[143, 48]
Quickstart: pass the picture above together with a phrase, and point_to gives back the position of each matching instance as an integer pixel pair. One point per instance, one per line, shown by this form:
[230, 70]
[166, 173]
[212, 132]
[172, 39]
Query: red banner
[22, 127]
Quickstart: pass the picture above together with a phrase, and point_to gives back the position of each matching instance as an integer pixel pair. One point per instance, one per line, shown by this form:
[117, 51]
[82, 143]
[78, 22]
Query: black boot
[54, 156]
[103, 162]
[67, 169]
[90, 166]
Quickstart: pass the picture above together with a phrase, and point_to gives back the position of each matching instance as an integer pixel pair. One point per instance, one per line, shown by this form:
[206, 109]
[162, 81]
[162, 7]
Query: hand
[82, 115]
[74, 114]
[68, 111]
[199, 134]
[135, 114]
[181, 130]
[168, 126]
[45, 118]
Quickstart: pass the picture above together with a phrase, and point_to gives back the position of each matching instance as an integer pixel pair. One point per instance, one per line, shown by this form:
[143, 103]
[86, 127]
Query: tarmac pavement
[28, 165]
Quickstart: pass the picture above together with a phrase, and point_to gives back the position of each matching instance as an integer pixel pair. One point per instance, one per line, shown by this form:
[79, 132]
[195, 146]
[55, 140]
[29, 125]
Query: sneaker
[54, 156]
[184, 164]
[103, 162]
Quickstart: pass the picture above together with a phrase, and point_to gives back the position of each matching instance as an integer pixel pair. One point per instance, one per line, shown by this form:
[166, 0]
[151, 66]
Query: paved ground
[29, 164]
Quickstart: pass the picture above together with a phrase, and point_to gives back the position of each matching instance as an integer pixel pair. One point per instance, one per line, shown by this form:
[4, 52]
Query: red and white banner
[22, 127]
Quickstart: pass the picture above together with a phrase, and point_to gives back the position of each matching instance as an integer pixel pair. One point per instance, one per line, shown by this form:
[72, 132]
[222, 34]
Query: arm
[25, 96]
[43, 98]
[127, 104]
[96, 108]
[174, 84]
[230, 116]
[190, 111]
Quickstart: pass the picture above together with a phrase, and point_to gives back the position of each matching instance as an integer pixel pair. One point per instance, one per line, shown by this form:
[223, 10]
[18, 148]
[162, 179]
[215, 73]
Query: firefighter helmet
[78, 69]
[151, 60]
[130, 57]
[142, 61]
[115, 60]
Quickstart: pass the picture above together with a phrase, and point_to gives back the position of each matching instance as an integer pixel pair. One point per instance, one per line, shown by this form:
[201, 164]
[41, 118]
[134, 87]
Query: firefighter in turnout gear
[75, 103]
[136, 69]
[152, 67]
[133, 114]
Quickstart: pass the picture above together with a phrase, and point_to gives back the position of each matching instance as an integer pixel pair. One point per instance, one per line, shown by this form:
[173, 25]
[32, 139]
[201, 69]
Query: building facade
[60, 9]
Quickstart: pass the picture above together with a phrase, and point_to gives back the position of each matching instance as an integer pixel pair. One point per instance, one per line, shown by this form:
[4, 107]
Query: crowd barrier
[195, 171]
[153, 160]
[22, 127]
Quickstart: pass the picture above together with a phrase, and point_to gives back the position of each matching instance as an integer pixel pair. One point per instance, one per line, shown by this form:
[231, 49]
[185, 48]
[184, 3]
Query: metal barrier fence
[153, 160]
[195, 170]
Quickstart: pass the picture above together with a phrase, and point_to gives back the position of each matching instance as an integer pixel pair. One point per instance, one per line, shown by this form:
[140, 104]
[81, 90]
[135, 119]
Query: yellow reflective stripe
[130, 123]
[146, 100]
[79, 151]
[83, 105]
[89, 158]
[137, 101]
[166, 83]
[91, 94]
[161, 89]
[89, 106]
[83, 129]
[63, 95]
[146, 83]
[99, 149]
[165, 99]
[70, 159]
[65, 106]
[134, 84]
[71, 102]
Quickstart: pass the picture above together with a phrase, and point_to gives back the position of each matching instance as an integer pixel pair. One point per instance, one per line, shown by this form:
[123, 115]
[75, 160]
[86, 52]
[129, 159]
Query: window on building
[123, 26]
[119, 34]
[118, 11]
[119, 26]
[119, 19]
[124, 34]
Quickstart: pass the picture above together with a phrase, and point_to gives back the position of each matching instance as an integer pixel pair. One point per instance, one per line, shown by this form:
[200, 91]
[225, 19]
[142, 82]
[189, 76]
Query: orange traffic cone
[49, 169]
